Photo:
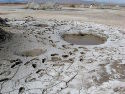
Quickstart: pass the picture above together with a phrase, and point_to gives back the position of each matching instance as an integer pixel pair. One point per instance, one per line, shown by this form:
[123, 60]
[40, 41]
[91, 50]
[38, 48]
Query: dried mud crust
[63, 68]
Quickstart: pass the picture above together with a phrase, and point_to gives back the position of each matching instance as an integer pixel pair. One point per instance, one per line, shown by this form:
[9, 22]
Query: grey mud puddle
[84, 39]
[31, 53]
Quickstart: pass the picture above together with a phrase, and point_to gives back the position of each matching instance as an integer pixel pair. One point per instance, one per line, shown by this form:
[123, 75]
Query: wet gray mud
[31, 53]
[83, 39]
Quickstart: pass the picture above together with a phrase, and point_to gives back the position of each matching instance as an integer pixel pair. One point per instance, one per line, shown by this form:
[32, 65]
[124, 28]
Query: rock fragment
[21, 90]
[17, 62]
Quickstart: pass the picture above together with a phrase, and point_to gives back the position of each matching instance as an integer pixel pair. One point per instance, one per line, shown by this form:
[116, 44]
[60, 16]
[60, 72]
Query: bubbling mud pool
[84, 39]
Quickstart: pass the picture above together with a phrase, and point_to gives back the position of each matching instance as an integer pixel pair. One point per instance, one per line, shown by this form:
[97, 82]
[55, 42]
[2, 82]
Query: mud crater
[84, 39]
[31, 53]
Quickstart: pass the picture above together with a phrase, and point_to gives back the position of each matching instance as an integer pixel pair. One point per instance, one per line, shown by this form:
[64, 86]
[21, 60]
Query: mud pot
[83, 39]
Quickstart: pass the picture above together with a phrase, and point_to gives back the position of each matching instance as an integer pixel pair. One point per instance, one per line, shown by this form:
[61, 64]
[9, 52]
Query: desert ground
[102, 16]
[69, 51]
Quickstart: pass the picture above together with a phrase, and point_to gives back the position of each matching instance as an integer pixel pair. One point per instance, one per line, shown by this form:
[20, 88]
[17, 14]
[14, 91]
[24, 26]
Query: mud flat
[48, 64]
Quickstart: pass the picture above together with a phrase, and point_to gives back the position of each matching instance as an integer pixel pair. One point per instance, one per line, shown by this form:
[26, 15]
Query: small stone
[51, 41]
[65, 56]
[39, 70]
[82, 52]
[81, 59]
[21, 90]
[43, 60]
[34, 65]
[70, 53]
[64, 46]
[54, 54]
[17, 62]
[71, 60]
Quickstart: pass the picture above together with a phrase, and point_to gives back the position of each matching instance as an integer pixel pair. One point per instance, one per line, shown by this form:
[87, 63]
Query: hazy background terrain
[74, 1]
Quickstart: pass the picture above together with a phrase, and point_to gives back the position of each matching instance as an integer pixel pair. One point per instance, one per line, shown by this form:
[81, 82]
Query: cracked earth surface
[38, 61]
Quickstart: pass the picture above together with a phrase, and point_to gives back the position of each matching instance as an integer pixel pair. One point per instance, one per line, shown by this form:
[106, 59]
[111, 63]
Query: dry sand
[102, 16]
